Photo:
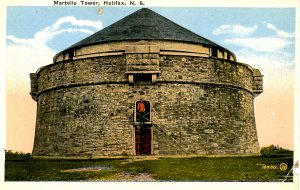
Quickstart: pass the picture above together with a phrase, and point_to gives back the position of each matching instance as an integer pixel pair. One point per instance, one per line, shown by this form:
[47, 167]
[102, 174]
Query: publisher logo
[283, 167]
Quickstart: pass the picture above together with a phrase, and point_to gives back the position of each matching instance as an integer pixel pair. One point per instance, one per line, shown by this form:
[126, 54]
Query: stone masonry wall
[80, 121]
[199, 106]
[172, 68]
[204, 120]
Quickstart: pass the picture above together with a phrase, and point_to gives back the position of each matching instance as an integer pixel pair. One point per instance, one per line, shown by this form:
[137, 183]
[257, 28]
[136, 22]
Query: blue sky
[261, 37]
[24, 22]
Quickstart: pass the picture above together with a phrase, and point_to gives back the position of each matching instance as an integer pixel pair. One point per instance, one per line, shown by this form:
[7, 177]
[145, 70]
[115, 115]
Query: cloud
[261, 44]
[268, 62]
[280, 33]
[235, 30]
[24, 56]
[244, 38]
[34, 52]
[22, 60]
[274, 107]
[48, 33]
[73, 21]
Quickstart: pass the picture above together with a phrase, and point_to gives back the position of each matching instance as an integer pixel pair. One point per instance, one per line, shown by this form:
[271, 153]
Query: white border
[150, 185]
[2, 89]
[296, 99]
[174, 3]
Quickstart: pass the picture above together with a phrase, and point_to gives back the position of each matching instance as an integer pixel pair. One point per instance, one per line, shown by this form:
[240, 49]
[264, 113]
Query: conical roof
[143, 24]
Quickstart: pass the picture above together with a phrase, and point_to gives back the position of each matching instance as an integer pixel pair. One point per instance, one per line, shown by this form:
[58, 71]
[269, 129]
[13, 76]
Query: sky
[261, 37]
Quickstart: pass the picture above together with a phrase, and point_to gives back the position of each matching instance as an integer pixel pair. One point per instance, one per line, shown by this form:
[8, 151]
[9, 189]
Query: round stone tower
[145, 85]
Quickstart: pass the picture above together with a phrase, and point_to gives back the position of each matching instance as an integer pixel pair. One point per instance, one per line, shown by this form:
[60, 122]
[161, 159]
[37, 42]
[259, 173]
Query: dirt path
[124, 176]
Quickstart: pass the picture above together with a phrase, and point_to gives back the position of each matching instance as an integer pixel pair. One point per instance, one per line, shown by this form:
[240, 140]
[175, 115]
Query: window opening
[71, 54]
[214, 52]
[142, 112]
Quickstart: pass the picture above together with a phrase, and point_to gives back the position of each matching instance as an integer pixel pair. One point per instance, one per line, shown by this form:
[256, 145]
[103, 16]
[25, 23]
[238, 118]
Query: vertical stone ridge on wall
[34, 86]
[142, 58]
[257, 82]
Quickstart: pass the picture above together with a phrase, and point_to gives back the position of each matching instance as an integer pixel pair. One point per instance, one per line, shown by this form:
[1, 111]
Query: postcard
[195, 94]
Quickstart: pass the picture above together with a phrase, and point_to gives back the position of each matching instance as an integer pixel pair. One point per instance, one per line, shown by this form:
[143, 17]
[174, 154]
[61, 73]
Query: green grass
[52, 170]
[163, 169]
[211, 169]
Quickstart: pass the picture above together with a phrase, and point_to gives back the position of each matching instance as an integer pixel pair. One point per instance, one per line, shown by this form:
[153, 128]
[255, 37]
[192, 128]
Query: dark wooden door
[143, 141]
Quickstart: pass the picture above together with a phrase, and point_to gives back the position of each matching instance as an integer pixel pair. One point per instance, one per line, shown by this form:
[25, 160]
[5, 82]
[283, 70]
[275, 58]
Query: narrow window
[71, 54]
[214, 52]
[228, 56]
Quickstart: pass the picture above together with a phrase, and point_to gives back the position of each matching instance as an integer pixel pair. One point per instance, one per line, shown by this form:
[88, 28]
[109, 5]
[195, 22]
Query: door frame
[135, 127]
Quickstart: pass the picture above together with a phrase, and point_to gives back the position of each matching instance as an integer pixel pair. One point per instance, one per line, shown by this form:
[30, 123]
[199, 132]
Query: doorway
[142, 140]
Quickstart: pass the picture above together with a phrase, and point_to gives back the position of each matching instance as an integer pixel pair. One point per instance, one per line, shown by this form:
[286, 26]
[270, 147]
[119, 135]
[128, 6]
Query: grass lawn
[160, 169]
